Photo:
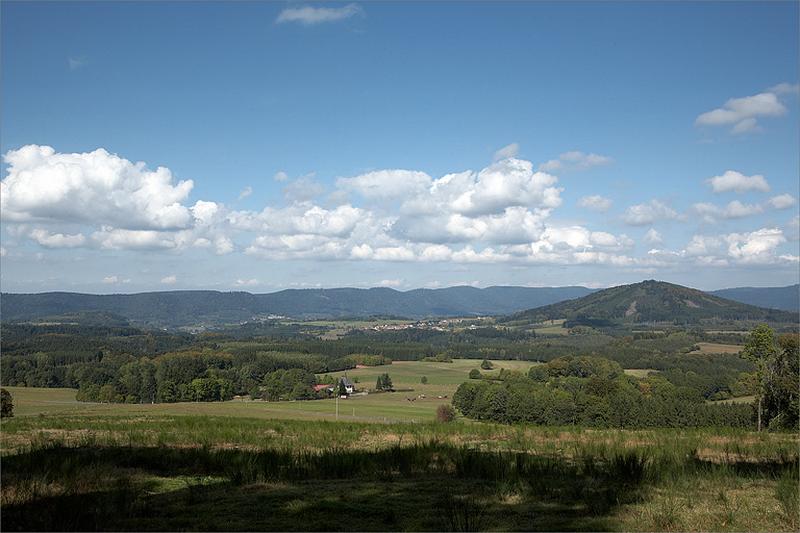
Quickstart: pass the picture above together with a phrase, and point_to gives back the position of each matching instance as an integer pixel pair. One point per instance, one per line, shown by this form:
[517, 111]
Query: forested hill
[786, 298]
[651, 301]
[177, 308]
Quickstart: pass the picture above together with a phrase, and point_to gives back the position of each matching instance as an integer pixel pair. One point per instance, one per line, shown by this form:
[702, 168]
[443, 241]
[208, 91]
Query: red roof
[318, 388]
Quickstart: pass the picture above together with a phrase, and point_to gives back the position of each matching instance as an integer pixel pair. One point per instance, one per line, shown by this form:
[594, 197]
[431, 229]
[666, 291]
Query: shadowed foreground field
[89, 469]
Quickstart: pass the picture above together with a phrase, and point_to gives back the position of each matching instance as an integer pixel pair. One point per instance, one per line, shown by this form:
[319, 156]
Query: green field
[640, 372]
[740, 399]
[443, 379]
[716, 348]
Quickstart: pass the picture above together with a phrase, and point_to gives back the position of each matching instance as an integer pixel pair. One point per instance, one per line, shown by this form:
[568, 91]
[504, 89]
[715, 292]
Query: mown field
[443, 379]
[716, 348]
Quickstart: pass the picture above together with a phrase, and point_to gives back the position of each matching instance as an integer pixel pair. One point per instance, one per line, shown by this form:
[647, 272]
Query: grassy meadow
[716, 348]
[443, 379]
[242, 465]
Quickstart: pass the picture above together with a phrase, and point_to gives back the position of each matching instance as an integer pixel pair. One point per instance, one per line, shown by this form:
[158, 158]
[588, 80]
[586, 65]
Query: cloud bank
[503, 213]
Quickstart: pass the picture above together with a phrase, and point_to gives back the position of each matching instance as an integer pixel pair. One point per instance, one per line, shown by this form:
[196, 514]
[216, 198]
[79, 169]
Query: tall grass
[787, 490]
[69, 466]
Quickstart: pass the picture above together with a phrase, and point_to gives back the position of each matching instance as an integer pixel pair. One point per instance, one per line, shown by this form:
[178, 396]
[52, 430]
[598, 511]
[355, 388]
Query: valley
[568, 417]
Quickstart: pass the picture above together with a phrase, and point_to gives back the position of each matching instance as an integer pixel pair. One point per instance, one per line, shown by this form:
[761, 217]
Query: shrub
[474, 374]
[538, 373]
[424, 380]
[7, 407]
[486, 364]
[439, 358]
[445, 413]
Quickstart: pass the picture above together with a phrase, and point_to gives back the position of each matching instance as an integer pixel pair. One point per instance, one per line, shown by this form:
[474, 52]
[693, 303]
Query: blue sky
[585, 143]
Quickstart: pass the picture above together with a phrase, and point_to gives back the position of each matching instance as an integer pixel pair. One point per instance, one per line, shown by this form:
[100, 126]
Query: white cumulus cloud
[57, 240]
[735, 209]
[386, 184]
[595, 203]
[510, 182]
[782, 201]
[510, 150]
[735, 181]
[309, 15]
[743, 113]
[303, 188]
[653, 237]
[756, 246]
[785, 88]
[575, 161]
[647, 213]
[92, 187]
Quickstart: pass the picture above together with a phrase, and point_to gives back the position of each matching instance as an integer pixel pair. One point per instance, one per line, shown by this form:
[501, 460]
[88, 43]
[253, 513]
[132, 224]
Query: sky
[266, 145]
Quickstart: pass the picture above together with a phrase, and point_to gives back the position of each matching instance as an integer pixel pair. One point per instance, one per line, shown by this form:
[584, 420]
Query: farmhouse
[349, 387]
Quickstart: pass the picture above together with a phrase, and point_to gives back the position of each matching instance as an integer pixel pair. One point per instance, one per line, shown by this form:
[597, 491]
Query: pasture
[443, 379]
[716, 348]
[640, 372]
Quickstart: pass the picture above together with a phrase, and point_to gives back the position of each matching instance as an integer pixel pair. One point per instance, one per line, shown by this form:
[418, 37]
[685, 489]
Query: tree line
[593, 392]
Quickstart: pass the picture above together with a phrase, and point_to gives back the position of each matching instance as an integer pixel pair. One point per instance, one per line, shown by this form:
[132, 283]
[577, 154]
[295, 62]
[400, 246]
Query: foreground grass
[156, 472]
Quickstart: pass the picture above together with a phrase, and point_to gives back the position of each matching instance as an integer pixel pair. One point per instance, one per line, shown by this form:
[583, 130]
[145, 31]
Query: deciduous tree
[6, 404]
[760, 349]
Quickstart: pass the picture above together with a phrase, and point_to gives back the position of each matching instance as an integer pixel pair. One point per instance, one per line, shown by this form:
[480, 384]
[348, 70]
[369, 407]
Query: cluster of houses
[435, 325]
[330, 388]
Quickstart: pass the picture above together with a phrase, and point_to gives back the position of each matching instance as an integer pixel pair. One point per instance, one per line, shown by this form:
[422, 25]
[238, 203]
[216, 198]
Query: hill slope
[175, 308]
[786, 298]
[650, 301]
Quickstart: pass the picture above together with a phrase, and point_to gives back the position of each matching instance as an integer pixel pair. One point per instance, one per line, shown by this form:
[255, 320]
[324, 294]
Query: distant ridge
[650, 301]
[180, 308]
[177, 308]
[786, 298]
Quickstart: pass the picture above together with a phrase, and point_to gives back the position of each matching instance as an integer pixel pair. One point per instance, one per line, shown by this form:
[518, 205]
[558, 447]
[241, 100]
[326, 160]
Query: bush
[474, 374]
[486, 364]
[7, 407]
[424, 380]
[439, 358]
[538, 373]
[445, 413]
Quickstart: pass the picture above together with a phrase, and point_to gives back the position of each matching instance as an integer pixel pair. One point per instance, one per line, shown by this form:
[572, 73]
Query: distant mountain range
[786, 298]
[649, 302]
[180, 308]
